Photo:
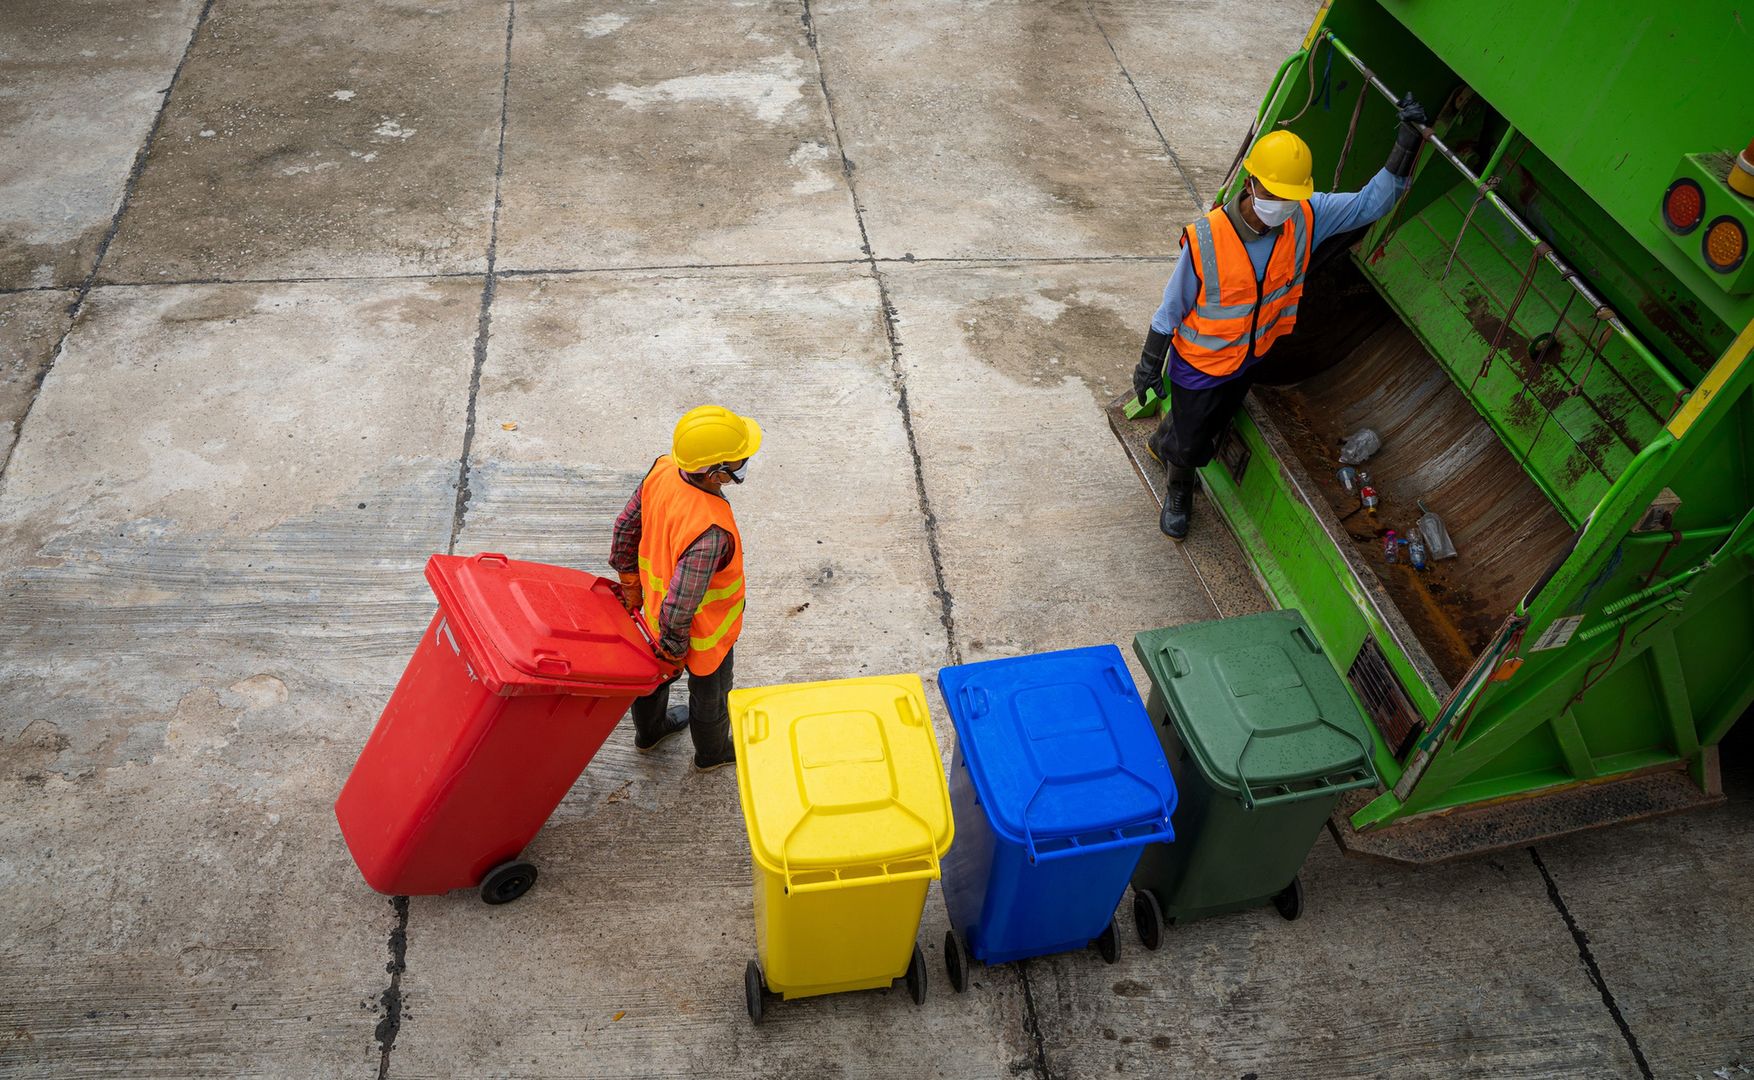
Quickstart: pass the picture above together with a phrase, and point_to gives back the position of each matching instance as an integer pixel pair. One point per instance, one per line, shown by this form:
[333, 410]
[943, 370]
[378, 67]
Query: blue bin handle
[1160, 828]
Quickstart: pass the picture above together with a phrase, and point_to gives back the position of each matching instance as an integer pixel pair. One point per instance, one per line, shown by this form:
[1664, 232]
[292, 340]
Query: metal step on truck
[1551, 334]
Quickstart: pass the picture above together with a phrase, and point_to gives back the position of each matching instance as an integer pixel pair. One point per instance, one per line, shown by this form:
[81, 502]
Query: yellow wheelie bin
[848, 814]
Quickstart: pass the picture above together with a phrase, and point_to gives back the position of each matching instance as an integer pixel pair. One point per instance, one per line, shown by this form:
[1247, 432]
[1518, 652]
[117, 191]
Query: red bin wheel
[507, 881]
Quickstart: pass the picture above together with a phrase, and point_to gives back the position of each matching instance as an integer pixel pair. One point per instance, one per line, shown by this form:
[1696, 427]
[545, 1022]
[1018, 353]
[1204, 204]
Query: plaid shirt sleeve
[709, 554]
[624, 542]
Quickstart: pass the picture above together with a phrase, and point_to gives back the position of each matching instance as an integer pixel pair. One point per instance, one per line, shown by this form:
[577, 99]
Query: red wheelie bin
[522, 674]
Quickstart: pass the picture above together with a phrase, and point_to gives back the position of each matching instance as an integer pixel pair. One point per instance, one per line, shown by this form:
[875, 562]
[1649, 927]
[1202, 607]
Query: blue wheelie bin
[1057, 784]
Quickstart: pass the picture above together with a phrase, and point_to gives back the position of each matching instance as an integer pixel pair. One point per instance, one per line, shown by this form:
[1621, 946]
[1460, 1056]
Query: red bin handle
[549, 663]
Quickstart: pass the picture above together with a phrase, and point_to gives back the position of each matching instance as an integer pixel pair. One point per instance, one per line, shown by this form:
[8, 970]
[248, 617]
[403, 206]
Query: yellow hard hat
[1282, 163]
[712, 435]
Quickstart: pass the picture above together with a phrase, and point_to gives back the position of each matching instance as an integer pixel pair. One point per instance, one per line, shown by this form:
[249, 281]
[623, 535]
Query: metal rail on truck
[1485, 190]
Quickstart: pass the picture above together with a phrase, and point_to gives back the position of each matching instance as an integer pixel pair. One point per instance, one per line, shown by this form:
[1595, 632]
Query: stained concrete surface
[212, 535]
[1002, 129]
[1204, 118]
[80, 82]
[1008, 365]
[31, 325]
[213, 522]
[324, 140]
[675, 134]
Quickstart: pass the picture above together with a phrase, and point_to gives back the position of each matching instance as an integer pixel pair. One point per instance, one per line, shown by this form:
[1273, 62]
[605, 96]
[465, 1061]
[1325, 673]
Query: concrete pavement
[320, 289]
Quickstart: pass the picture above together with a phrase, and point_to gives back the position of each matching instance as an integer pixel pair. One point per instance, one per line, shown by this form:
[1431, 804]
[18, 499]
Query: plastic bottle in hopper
[1391, 550]
[1437, 540]
[1366, 493]
[1348, 479]
[1358, 447]
[1415, 550]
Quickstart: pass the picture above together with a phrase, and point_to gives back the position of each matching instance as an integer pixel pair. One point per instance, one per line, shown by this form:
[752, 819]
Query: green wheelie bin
[1262, 737]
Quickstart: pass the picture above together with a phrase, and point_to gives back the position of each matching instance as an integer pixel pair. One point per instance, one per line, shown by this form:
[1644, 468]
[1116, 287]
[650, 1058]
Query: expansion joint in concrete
[1587, 955]
[484, 321]
[390, 1023]
[1180, 169]
[1032, 1024]
[103, 246]
[898, 371]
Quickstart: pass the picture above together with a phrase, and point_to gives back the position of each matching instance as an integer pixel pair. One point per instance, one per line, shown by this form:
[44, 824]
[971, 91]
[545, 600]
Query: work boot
[1151, 448]
[713, 748]
[675, 719]
[1178, 503]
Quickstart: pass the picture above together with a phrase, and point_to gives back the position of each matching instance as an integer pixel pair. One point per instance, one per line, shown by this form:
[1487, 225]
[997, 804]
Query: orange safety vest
[1234, 316]
[673, 515]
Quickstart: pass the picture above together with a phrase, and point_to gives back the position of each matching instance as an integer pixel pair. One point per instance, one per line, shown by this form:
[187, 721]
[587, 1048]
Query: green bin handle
[1326, 785]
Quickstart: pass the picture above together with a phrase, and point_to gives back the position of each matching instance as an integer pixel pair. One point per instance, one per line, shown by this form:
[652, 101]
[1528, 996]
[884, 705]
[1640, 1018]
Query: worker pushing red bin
[523, 673]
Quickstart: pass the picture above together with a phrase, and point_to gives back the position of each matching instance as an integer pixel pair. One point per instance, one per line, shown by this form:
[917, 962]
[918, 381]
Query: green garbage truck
[1551, 334]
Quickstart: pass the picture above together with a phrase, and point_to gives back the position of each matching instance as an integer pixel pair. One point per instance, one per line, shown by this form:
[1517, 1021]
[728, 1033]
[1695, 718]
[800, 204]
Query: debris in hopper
[1437, 541]
[1391, 548]
[1415, 550]
[1366, 493]
[1359, 446]
[1348, 477]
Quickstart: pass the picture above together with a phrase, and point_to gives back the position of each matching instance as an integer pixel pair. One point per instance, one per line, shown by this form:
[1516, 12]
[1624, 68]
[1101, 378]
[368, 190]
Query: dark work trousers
[709, 717]
[1196, 418]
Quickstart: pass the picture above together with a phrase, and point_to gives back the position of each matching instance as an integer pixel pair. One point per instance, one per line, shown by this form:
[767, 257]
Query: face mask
[738, 473]
[1273, 212]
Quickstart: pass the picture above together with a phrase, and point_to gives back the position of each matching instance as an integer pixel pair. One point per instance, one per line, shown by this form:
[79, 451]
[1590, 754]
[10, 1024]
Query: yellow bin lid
[841, 781]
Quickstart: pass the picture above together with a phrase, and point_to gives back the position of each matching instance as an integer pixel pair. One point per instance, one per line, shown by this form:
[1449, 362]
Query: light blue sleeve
[1338, 212]
[1178, 296]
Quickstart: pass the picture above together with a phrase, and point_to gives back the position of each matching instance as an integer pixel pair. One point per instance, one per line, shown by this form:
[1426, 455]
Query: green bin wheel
[1147, 919]
[1108, 943]
[955, 961]
[752, 990]
[916, 976]
[1289, 900]
[507, 881]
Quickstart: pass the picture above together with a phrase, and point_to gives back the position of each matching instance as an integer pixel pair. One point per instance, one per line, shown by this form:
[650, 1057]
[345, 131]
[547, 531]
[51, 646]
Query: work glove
[673, 659]
[1408, 137]
[1148, 376]
[631, 593]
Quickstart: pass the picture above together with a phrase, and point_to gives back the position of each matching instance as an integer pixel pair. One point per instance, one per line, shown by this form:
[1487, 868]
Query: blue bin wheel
[507, 881]
[916, 976]
[753, 990]
[1108, 943]
[1147, 919]
[955, 961]
[1289, 900]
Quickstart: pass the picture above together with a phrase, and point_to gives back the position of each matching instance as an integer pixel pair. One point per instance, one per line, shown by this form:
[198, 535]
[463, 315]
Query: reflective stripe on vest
[673, 515]
[1234, 315]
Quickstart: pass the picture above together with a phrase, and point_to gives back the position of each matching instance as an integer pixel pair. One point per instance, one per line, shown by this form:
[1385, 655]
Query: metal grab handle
[1486, 191]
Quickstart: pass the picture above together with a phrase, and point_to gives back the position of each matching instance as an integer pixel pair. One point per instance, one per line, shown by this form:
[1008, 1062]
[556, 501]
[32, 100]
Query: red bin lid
[547, 623]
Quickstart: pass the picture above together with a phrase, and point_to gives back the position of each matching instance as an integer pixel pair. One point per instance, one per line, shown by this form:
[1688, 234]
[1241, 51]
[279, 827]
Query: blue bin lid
[1061, 751]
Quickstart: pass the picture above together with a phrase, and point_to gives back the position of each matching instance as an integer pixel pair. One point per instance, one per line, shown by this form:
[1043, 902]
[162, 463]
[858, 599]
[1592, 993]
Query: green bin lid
[1260, 707]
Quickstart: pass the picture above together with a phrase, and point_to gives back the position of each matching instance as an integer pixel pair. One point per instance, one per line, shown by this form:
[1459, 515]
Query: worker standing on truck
[1235, 289]
[680, 558]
